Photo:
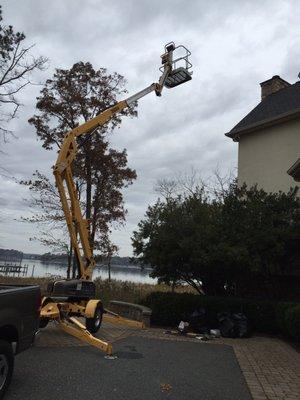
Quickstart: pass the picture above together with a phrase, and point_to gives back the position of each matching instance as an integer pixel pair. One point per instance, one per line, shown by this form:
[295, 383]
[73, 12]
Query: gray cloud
[235, 45]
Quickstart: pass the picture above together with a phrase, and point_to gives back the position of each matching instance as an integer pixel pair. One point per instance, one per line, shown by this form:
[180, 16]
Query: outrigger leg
[81, 333]
[55, 311]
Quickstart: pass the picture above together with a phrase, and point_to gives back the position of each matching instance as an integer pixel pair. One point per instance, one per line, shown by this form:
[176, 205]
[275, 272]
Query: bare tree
[16, 65]
[108, 250]
[46, 213]
[166, 187]
[190, 182]
[182, 183]
[219, 184]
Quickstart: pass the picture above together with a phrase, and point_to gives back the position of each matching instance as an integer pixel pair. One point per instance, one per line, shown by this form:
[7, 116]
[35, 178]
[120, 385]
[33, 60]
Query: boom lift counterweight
[70, 298]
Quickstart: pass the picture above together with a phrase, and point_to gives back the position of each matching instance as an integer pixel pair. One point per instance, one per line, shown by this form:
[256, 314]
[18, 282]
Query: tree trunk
[69, 260]
[88, 207]
[93, 228]
[173, 285]
[109, 271]
[75, 266]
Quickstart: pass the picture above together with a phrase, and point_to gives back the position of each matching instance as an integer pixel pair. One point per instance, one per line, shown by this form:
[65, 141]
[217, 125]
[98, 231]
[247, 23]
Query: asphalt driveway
[145, 369]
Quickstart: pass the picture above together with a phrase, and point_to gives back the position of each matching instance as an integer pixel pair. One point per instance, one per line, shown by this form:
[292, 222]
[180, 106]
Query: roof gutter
[288, 116]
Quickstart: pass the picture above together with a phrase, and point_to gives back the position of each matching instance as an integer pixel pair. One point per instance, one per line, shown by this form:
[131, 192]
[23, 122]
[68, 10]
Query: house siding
[266, 155]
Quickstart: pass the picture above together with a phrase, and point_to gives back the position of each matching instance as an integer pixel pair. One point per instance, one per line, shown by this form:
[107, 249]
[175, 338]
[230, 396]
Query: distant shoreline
[12, 255]
[98, 266]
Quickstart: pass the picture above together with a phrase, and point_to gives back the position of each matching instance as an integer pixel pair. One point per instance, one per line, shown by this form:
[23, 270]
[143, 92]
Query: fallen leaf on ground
[165, 387]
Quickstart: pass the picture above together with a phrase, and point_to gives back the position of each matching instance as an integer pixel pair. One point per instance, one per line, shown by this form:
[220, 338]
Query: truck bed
[19, 313]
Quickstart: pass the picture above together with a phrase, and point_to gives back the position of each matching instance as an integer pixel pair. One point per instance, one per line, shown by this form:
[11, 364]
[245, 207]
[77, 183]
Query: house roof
[276, 107]
[294, 170]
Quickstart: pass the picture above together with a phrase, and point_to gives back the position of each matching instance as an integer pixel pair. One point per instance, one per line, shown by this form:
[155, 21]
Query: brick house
[269, 138]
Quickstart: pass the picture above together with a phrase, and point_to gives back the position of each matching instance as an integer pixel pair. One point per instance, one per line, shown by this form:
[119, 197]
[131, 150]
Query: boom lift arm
[77, 225]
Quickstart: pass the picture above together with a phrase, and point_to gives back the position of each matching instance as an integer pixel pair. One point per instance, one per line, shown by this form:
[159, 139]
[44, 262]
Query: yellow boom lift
[73, 298]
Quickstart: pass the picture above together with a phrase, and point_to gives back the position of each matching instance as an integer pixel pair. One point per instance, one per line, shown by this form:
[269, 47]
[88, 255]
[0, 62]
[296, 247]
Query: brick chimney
[272, 85]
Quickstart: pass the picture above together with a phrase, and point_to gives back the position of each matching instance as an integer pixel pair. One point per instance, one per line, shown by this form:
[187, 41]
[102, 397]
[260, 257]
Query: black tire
[93, 324]
[44, 320]
[6, 366]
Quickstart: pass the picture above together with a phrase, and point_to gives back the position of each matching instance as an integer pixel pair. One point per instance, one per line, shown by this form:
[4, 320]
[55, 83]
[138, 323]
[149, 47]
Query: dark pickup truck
[19, 319]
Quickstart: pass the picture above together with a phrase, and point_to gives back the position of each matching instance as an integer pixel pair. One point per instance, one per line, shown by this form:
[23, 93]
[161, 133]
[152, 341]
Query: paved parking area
[270, 367]
[145, 369]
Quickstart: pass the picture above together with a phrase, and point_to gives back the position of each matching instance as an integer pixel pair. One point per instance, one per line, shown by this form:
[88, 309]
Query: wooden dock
[11, 263]
[11, 269]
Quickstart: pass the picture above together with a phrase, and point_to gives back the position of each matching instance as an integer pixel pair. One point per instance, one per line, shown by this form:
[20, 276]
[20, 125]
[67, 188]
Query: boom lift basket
[180, 66]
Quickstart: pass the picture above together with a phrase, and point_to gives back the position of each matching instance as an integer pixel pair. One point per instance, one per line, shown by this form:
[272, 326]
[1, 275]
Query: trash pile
[233, 325]
[228, 325]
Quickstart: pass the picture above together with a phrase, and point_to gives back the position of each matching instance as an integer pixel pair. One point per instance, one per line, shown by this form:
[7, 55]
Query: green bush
[292, 322]
[169, 308]
[281, 309]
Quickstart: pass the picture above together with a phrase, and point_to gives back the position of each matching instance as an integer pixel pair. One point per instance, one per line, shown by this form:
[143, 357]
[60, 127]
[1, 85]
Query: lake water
[37, 268]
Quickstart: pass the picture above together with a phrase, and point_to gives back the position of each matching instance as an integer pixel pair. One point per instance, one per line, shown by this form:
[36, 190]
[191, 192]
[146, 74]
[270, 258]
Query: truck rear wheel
[93, 324]
[6, 366]
[44, 320]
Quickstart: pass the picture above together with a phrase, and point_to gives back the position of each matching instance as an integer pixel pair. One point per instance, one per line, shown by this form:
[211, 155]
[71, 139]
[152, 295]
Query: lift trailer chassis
[64, 313]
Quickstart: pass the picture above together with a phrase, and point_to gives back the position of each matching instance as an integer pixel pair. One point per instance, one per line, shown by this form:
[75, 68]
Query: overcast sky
[235, 45]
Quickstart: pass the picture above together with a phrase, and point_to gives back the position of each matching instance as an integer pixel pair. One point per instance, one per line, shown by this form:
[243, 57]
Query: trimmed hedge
[281, 310]
[292, 322]
[168, 309]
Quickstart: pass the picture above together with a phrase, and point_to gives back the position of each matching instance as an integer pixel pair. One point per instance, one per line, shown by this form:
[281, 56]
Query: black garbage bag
[226, 324]
[241, 325]
[233, 325]
[198, 321]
